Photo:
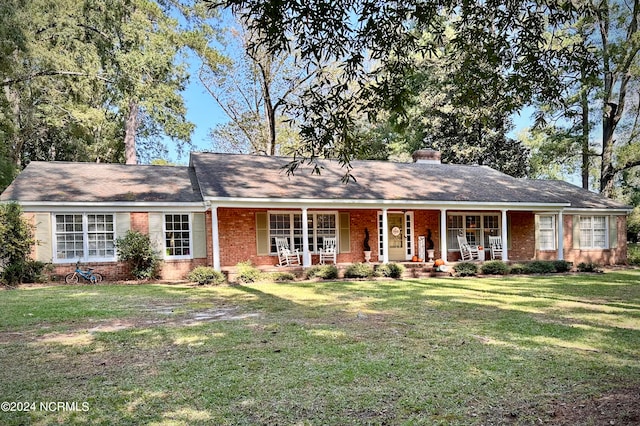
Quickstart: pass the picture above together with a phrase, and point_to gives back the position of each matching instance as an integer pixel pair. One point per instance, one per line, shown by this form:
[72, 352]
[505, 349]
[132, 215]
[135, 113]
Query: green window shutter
[613, 231]
[537, 232]
[262, 234]
[44, 247]
[345, 233]
[576, 231]
[199, 236]
[156, 226]
[123, 224]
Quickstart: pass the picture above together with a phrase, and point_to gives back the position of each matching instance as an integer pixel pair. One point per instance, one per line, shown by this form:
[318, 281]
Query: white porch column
[503, 237]
[443, 234]
[560, 236]
[306, 256]
[215, 238]
[385, 236]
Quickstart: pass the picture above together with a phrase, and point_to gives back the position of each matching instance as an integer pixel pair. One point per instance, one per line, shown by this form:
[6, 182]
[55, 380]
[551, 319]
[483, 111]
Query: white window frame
[85, 238]
[482, 230]
[292, 235]
[592, 230]
[164, 236]
[552, 230]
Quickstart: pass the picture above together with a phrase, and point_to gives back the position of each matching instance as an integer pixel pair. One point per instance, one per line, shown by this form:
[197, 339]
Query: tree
[81, 77]
[375, 43]
[16, 234]
[256, 89]
[608, 34]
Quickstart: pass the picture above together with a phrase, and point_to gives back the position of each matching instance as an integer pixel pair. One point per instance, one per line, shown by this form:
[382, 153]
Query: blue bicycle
[88, 274]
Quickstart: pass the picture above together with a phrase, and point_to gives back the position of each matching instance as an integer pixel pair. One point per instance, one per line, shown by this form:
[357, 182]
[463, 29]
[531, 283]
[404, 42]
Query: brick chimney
[426, 156]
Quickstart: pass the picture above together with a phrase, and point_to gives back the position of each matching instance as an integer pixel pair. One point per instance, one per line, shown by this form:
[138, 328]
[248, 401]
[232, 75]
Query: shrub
[206, 275]
[135, 249]
[633, 255]
[279, 277]
[391, 270]
[495, 267]
[466, 269]
[589, 267]
[326, 272]
[16, 235]
[562, 265]
[540, 267]
[247, 273]
[518, 268]
[358, 270]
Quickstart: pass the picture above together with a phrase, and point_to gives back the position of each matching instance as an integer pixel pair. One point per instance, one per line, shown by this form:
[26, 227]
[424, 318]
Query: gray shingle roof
[99, 182]
[246, 176]
[237, 176]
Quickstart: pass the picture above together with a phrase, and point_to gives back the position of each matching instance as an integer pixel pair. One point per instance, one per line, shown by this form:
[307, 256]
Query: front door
[397, 240]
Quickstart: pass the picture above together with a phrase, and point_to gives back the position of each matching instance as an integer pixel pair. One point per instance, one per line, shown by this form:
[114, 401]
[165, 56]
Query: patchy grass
[556, 349]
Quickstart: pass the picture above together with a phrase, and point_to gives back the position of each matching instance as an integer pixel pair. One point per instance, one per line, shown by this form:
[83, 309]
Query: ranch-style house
[226, 208]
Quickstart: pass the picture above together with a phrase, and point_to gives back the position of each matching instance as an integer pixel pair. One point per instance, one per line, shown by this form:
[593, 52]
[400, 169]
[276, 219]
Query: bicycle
[89, 275]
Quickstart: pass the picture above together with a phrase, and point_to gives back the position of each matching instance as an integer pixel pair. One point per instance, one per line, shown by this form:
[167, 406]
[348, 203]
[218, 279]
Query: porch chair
[467, 251]
[286, 256]
[495, 244]
[328, 250]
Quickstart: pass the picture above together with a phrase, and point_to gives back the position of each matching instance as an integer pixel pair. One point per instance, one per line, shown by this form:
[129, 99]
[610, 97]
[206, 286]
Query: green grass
[418, 351]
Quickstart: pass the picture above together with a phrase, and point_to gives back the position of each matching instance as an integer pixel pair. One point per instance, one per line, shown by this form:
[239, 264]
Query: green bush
[518, 268]
[391, 270]
[206, 275]
[326, 272]
[540, 267]
[280, 277]
[135, 249]
[17, 240]
[358, 270]
[247, 273]
[561, 265]
[466, 269]
[633, 254]
[589, 267]
[495, 267]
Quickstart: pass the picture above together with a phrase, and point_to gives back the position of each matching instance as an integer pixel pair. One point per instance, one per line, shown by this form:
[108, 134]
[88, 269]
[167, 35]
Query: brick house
[226, 208]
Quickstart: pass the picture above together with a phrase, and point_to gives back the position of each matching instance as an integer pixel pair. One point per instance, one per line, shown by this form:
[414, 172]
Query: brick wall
[522, 244]
[140, 222]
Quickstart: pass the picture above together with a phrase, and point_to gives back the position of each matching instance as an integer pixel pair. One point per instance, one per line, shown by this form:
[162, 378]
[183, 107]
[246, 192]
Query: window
[84, 236]
[547, 232]
[593, 232]
[476, 228]
[289, 225]
[177, 235]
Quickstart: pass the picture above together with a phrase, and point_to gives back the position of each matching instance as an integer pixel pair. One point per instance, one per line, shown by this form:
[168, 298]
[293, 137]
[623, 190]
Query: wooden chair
[328, 250]
[495, 244]
[467, 251]
[286, 256]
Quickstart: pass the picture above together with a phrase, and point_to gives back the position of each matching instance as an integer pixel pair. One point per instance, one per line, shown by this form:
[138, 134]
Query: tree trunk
[130, 129]
[585, 137]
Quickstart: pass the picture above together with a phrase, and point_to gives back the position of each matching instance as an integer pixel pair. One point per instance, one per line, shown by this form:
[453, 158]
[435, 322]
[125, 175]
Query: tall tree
[256, 89]
[74, 72]
[607, 35]
[376, 42]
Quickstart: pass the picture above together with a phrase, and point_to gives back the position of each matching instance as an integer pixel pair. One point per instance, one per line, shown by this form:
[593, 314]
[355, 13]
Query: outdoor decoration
[367, 248]
[439, 262]
[430, 245]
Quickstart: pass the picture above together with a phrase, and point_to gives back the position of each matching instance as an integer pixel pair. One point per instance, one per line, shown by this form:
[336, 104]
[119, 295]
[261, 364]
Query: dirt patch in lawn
[617, 407]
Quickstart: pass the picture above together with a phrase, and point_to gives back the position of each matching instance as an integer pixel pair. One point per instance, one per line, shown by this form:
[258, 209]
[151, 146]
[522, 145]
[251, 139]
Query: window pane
[177, 235]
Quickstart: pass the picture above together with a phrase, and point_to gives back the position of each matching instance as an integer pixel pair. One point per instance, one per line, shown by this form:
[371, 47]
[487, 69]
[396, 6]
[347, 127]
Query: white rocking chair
[328, 251]
[467, 251]
[495, 244]
[286, 256]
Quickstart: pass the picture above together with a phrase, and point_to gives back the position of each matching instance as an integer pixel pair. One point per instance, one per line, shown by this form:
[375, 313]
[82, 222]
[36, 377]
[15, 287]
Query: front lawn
[513, 350]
